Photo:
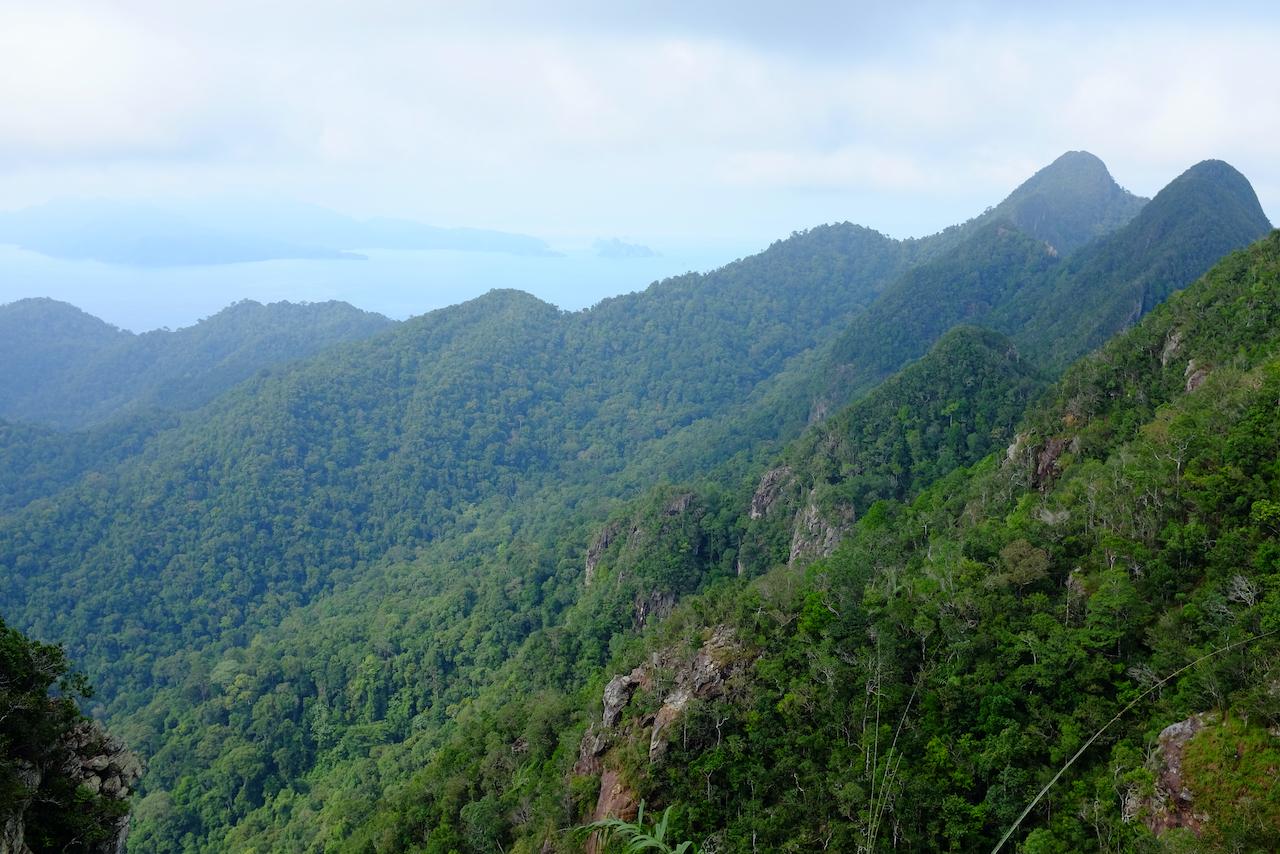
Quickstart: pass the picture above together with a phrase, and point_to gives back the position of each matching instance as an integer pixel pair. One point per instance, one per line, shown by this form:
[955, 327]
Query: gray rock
[618, 693]
[769, 490]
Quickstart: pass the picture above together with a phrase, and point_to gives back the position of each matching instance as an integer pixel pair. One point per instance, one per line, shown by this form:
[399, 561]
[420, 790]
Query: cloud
[569, 119]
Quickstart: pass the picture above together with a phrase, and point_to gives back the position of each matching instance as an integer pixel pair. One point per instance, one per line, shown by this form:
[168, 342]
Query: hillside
[37, 462]
[64, 782]
[1204, 213]
[469, 647]
[948, 654]
[41, 339]
[397, 524]
[1055, 309]
[916, 688]
[1071, 202]
[70, 370]
[990, 272]
[301, 477]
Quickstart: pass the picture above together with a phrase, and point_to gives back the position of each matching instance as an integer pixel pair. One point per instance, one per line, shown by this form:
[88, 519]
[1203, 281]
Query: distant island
[242, 231]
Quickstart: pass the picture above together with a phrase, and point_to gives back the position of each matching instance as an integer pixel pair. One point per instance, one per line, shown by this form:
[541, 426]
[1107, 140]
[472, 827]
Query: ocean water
[398, 284]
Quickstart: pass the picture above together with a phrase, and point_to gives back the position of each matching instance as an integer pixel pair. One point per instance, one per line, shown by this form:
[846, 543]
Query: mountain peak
[1069, 202]
[24, 314]
[1079, 162]
[1215, 194]
[1222, 177]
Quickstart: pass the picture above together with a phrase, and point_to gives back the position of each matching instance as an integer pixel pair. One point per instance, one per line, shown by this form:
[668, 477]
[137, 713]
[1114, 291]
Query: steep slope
[911, 430]
[915, 689]
[451, 625]
[1070, 202]
[72, 371]
[1055, 311]
[41, 339]
[1206, 212]
[302, 476]
[449, 469]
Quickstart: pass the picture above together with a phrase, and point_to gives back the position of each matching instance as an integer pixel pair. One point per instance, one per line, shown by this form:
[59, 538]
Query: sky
[703, 130]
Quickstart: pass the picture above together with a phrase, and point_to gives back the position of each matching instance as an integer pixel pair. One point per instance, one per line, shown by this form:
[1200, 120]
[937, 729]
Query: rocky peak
[775, 480]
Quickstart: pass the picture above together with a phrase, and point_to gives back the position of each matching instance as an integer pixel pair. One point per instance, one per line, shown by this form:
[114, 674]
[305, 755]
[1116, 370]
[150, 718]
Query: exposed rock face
[769, 490]
[1195, 375]
[1173, 805]
[13, 831]
[716, 662]
[655, 605]
[590, 749]
[1171, 346]
[616, 800]
[1047, 462]
[1016, 448]
[672, 707]
[702, 677]
[680, 504]
[815, 535]
[599, 546]
[618, 693]
[96, 761]
[706, 675]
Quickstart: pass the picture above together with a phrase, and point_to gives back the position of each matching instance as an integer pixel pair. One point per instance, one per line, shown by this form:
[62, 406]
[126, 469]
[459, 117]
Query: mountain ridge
[101, 372]
[449, 470]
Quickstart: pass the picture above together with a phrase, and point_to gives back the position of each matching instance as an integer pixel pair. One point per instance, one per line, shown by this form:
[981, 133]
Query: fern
[636, 837]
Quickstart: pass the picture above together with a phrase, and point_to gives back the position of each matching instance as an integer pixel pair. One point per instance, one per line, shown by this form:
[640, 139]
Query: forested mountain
[1055, 309]
[1206, 212]
[325, 603]
[41, 339]
[64, 782]
[435, 654]
[297, 479]
[915, 689]
[67, 369]
[990, 272]
[37, 461]
[1067, 204]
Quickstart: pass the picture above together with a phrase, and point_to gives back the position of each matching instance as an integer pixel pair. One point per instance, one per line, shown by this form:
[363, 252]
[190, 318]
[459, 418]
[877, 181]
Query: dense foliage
[70, 370]
[1069, 203]
[292, 483]
[462, 661]
[37, 462]
[41, 800]
[343, 606]
[915, 689]
[1054, 309]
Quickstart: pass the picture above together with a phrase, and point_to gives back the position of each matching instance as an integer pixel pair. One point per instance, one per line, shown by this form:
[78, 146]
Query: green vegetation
[974, 638]
[67, 369]
[1055, 310]
[1069, 203]
[37, 462]
[343, 606]
[1231, 770]
[636, 836]
[492, 728]
[43, 802]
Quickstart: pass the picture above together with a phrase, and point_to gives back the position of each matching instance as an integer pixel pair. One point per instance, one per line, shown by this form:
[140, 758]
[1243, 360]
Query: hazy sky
[690, 123]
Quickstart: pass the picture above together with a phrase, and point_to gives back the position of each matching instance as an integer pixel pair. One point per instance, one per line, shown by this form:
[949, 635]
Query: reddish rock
[616, 800]
[1173, 804]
